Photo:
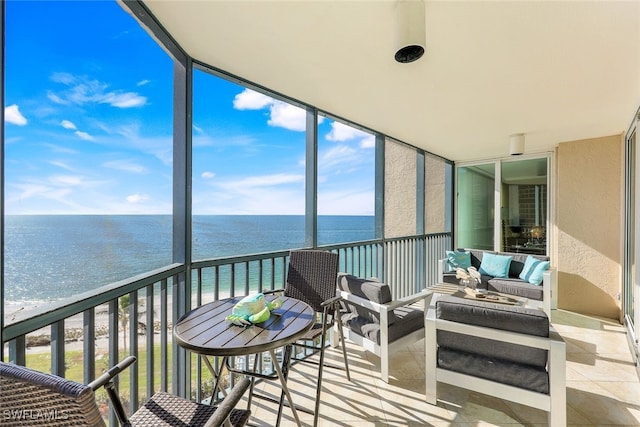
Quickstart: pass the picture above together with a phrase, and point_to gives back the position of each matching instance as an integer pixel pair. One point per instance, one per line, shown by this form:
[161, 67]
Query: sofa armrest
[362, 302]
[384, 309]
[423, 295]
[550, 290]
[442, 268]
[379, 308]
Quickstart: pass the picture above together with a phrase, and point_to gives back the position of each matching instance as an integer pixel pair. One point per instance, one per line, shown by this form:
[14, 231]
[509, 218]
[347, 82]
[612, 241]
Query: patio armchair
[373, 321]
[34, 398]
[508, 352]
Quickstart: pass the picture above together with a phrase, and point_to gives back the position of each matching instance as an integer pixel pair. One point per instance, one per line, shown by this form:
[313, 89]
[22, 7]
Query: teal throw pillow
[529, 265]
[533, 270]
[495, 265]
[459, 259]
[536, 276]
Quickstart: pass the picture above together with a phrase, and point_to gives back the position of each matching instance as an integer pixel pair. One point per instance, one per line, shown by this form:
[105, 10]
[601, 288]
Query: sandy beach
[39, 341]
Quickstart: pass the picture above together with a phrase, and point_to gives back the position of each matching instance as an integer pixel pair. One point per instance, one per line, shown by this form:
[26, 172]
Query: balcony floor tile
[602, 387]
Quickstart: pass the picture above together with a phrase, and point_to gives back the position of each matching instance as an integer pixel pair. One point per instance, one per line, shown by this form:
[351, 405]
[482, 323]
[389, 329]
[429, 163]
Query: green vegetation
[74, 364]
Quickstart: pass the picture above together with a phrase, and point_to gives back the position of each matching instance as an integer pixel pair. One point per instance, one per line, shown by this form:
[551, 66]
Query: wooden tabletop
[204, 330]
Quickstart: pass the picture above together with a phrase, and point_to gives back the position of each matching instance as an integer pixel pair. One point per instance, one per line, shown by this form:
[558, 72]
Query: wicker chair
[32, 398]
[311, 277]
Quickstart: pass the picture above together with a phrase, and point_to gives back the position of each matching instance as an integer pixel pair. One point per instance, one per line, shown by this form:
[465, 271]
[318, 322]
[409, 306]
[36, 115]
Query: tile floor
[602, 388]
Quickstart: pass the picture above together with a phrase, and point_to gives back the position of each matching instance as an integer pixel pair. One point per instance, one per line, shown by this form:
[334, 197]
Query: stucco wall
[589, 215]
[434, 198]
[399, 190]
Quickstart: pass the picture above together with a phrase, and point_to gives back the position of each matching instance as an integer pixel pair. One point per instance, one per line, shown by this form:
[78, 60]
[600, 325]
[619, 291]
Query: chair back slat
[312, 276]
[33, 398]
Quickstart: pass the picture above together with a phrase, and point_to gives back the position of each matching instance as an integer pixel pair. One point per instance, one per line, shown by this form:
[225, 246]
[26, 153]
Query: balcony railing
[92, 331]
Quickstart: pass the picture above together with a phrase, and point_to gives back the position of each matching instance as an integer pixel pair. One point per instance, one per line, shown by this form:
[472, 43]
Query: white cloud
[281, 114]
[84, 135]
[341, 132]
[66, 180]
[126, 165]
[64, 78]
[368, 142]
[251, 100]
[56, 99]
[338, 154]
[207, 175]
[346, 202]
[124, 100]
[160, 147]
[198, 130]
[68, 125]
[60, 164]
[287, 116]
[137, 198]
[82, 90]
[254, 182]
[143, 82]
[276, 194]
[13, 115]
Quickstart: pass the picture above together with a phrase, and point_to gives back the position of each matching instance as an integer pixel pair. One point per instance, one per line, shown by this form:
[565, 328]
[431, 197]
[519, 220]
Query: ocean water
[50, 257]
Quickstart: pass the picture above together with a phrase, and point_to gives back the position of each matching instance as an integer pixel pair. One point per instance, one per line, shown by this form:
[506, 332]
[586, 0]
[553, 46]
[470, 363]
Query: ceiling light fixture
[409, 30]
[516, 144]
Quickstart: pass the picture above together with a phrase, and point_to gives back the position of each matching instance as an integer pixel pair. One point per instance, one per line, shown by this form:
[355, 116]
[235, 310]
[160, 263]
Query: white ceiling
[556, 71]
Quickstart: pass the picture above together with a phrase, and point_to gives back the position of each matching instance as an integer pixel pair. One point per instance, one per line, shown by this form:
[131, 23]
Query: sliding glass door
[475, 206]
[514, 188]
[523, 206]
[632, 240]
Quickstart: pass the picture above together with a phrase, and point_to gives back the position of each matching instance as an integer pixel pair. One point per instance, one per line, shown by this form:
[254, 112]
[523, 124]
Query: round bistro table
[205, 331]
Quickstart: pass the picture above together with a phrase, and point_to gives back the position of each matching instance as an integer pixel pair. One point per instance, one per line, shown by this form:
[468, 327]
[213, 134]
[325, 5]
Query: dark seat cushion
[499, 361]
[515, 374]
[366, 323]
[516, 287]
[406, 320]
[492, 315]
[367, 289]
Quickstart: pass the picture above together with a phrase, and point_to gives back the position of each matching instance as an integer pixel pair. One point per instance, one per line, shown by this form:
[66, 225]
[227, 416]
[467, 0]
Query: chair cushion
[370, 290]
[406, 320]
[498, 316]
[515, 374]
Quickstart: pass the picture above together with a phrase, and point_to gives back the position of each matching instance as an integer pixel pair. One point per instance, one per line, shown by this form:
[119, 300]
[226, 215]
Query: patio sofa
[542, 295]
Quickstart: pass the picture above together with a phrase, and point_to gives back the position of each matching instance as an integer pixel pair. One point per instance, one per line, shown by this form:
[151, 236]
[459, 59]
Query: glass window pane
[346, 183]
[524, 206]
[248, 170]
[88, 149]
[475, 208]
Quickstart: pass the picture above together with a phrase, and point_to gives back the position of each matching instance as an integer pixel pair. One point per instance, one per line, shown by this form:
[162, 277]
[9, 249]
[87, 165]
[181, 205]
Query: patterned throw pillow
[459, 259]
[495, 265]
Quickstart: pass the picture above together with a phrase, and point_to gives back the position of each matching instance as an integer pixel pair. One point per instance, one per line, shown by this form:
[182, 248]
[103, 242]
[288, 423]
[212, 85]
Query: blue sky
[88, 127]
